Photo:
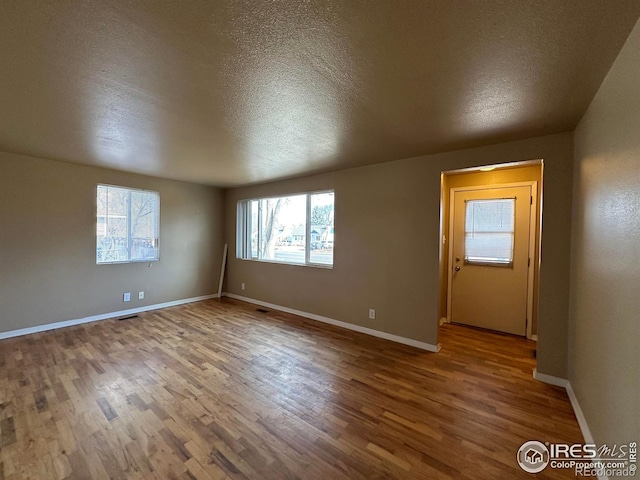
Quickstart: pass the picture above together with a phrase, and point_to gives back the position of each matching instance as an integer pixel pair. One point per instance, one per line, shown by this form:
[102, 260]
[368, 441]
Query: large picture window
[296, 229]
[127, 225]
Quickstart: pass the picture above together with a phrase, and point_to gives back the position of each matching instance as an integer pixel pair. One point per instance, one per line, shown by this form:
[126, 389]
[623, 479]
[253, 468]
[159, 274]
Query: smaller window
[127, 225]
[489, 231]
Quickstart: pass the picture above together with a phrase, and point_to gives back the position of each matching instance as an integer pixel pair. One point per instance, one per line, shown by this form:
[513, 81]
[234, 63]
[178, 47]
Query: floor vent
[262, 310]
[127, 318]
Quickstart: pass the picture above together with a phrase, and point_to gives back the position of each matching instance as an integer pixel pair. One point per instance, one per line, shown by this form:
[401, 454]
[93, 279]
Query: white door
[490, 258]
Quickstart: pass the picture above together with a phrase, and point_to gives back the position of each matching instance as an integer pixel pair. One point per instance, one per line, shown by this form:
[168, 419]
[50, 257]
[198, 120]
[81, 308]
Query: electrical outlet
[243, 286]
[372, 314]
[126, 297]
[140, 295]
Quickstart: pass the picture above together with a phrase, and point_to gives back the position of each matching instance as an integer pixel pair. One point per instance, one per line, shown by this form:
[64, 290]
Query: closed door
[490, 261]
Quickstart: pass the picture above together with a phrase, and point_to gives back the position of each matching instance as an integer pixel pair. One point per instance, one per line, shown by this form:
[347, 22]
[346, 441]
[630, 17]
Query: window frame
[129, 190]
[243, 229]
[485, 261]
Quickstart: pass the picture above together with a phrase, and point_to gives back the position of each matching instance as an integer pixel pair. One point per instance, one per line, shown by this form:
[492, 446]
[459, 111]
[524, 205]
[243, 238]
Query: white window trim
[485, 261]
[243, 232]
[130, 189]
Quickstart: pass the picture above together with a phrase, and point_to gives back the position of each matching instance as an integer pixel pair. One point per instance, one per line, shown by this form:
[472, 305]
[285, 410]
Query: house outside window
[296, 229]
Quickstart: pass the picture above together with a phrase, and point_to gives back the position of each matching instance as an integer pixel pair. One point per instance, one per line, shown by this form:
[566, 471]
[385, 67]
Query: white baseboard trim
[102, 316]
[550, 379]
[534, 337]
[577, 410]
[357, 328]
[582, 421]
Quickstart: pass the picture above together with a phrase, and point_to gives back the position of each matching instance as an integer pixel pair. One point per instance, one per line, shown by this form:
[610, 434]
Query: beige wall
[605, 293]
[498, 176]
[48, 270]
[387, 239]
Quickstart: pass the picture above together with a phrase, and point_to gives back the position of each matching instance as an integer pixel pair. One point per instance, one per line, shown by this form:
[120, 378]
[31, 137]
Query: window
[127, 225]
[489, 231]
[296, 229]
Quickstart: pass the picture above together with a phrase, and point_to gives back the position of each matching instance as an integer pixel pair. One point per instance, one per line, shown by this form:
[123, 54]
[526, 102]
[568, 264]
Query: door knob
[457, 269]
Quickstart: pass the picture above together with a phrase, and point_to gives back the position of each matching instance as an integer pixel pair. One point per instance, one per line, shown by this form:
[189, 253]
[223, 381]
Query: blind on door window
[489, 231]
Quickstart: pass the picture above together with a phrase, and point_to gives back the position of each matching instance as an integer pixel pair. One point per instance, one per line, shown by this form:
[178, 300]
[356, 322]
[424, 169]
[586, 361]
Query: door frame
[532, 242]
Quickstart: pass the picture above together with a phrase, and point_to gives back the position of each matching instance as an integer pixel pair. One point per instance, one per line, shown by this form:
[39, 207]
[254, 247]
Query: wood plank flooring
[216, 390]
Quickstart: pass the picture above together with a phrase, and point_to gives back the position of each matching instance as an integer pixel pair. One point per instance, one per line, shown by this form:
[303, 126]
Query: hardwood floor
[216, 390]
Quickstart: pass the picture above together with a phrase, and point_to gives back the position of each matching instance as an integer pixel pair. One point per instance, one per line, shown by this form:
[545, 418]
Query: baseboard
[534, 337]
[550, 379]
[577, 410]
[582, 421]
[357, 328]
[102, 316]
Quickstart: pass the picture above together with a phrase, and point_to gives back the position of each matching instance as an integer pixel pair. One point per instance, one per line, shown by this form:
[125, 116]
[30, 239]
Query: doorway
[490, 233]
[490, 254]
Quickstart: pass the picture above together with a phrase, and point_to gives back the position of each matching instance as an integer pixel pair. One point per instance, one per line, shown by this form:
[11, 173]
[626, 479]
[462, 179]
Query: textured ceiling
[237, 92]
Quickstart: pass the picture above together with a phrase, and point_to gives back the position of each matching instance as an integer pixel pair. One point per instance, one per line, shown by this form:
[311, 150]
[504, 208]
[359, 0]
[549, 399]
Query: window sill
[313, 265]
[148, 260]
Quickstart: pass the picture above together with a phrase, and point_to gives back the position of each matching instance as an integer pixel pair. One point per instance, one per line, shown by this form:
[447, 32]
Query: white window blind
[489, 231]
